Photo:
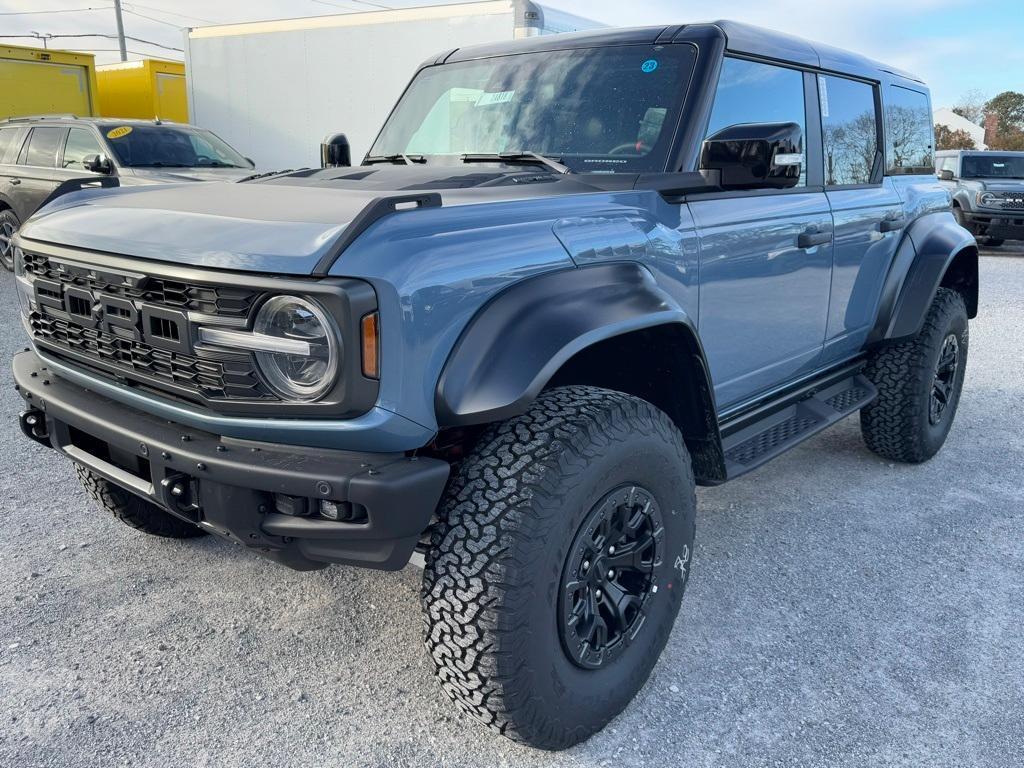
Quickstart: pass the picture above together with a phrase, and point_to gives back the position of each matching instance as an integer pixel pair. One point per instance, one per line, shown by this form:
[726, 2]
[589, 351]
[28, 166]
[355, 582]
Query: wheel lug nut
[586, 564]
[597, 594]
[611, 550]
[611, 574]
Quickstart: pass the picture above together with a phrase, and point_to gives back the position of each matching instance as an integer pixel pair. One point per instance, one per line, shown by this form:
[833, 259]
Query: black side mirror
[754, 155]
[97, 164]
[335, 151]
[946, 175]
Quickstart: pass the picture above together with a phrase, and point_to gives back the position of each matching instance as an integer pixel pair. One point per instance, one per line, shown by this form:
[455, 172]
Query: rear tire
[537, 625]
[919, 383]
[8, 226]
[134, 511]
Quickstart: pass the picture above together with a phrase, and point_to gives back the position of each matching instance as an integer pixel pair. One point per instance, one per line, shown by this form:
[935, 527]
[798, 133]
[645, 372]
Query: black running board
[753, 444]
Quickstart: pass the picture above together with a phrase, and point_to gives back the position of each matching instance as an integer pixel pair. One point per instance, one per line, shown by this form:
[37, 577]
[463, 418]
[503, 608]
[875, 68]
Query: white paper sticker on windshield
[499, 97]
[823, 96]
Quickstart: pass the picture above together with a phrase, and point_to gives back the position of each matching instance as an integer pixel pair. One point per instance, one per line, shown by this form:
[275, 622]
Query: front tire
[919, 383]
[8, 226]
[553, 581]
[134, 511]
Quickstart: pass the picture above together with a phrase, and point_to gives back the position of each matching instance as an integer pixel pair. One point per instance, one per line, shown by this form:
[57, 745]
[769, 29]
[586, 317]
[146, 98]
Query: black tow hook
[33, 424]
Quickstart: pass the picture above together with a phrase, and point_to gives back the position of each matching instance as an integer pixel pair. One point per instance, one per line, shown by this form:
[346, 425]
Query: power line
[350, 8]
[56, 10]
[109, 37]
[151, 18]
[171, 13]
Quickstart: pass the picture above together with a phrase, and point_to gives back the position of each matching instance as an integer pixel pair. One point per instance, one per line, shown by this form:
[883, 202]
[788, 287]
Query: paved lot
[842, 611]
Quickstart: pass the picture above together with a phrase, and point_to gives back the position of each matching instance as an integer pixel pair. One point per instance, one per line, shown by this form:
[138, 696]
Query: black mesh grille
[209, 299]
[209, 378]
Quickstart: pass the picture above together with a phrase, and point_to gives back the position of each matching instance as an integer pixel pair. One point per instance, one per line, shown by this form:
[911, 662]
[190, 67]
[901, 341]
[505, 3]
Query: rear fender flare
[930, 246]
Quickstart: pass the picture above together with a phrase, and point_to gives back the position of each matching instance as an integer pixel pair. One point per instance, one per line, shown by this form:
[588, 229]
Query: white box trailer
[275, 89]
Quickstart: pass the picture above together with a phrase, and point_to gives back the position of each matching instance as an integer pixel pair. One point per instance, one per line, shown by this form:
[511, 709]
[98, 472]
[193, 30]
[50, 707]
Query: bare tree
[850, 149]
[971, 106]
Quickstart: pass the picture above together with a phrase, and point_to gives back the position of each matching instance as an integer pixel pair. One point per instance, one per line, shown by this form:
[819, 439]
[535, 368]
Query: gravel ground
[842, 611]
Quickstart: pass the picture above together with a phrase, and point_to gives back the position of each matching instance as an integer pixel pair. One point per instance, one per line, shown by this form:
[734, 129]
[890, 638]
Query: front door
[765, 255]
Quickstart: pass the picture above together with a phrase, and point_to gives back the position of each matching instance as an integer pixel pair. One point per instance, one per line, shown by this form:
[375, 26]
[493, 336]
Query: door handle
[15, 182]
[891, 225]
[811, 239]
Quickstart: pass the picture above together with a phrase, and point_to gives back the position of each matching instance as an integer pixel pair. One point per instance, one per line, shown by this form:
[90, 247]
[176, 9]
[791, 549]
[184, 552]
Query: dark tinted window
[849, 130]
[42, 147]
[81, 143]
[909, 131]
[993, 166]
[8, 144]
[168, 146]
[598, 109]
[751, 92]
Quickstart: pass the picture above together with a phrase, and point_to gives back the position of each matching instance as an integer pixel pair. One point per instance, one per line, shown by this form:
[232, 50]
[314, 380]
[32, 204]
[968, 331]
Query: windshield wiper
[517, 157]
[396, 158]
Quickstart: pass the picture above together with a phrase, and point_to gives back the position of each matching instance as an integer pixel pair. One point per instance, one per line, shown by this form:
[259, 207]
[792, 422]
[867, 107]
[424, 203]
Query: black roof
[739, 38]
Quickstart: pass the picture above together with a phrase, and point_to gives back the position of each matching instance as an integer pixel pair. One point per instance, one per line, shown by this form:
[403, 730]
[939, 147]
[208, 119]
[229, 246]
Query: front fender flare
[520, 338]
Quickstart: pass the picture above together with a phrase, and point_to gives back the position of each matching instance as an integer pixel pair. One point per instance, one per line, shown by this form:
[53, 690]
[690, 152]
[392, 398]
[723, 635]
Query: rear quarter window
[8, 142]
[909, 134]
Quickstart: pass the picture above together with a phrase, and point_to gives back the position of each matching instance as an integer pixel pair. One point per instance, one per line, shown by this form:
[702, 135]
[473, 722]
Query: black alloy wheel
[609, 576]
[944, 382]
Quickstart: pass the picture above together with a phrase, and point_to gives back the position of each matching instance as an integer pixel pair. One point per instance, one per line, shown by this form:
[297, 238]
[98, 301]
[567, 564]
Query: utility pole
[120, 30]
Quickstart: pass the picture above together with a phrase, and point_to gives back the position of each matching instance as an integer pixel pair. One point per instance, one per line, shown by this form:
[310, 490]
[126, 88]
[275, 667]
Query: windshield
[166, 146]
[993, 167]
[595, 109]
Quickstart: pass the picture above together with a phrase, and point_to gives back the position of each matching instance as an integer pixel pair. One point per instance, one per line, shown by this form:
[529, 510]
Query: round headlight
[987, 198]
[306, 364]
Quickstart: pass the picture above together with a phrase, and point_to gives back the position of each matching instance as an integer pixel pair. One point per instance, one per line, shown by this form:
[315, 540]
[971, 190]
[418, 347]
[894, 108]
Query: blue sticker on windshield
[649, 66]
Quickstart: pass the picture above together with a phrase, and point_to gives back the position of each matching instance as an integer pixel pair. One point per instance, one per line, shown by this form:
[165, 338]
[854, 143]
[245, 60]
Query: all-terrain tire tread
[471, 565]
[133, 511]
[892, 424]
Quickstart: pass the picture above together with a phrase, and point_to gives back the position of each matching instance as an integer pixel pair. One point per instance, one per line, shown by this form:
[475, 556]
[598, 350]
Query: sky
[956, 46]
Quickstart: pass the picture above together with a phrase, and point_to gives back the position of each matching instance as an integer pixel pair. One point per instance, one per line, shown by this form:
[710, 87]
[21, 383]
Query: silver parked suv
[988, 192]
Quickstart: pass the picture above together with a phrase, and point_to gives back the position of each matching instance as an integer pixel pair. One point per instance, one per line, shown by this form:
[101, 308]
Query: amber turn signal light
[371, 345]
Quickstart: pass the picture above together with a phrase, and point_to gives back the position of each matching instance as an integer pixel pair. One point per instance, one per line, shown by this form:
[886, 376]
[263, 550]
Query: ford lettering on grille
[150, 324]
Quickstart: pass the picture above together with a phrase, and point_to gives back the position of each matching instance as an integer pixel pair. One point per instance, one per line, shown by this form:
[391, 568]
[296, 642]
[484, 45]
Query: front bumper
[236, 488]
[997, 225]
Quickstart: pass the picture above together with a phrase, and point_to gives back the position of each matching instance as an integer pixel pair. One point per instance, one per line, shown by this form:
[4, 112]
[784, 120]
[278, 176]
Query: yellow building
[143, 89]
[34, 81]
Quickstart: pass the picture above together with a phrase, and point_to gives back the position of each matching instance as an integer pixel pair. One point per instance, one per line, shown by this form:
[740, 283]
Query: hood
[172, 175]
[281, 224]
[1000, 185]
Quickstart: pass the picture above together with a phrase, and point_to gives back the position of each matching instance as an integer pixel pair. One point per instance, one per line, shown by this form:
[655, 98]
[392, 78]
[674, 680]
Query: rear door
[765, 255]
[11, 139]
[866, 210]
[37, 171]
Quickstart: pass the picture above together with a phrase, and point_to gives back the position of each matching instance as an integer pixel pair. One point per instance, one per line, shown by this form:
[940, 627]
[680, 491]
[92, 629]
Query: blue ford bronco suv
[574, 277]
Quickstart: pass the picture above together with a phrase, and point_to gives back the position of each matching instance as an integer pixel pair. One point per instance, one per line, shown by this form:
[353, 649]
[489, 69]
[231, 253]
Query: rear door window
[752, 92]
[81, 143]
[849, 130]
[42, 146]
